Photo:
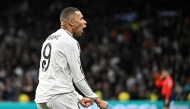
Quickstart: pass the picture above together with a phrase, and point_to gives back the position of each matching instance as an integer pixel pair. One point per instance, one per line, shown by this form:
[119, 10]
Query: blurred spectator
[187, 86]
[154, 96]
[124, 96]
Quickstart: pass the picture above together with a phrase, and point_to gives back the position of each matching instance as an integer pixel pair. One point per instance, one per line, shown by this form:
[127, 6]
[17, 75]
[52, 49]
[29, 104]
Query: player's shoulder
[61, 32]
[65, 34]
[66, 37]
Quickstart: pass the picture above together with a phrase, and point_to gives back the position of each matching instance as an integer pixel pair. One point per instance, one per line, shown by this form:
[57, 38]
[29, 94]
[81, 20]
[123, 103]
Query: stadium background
[125, 45]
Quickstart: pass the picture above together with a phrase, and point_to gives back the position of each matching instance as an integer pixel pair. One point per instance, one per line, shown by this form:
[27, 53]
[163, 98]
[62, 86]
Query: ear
[71, 22]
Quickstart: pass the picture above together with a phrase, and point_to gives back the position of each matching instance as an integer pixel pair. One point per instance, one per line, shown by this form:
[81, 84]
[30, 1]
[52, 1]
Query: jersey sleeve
[159, 83]
[73, 58]
[86, 90]
[79, 97]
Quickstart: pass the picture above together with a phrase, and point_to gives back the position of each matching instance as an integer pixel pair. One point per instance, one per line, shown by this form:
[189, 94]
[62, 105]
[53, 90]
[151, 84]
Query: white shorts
[64, 101]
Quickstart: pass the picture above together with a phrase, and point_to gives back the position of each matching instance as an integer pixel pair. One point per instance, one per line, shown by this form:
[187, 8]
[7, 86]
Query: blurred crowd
[124, 46]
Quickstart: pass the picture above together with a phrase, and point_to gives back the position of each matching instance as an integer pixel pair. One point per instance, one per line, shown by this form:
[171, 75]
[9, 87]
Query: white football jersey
[59, 67]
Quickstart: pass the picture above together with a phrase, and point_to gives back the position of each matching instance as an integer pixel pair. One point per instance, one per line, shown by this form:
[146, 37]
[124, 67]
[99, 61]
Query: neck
[67, 29]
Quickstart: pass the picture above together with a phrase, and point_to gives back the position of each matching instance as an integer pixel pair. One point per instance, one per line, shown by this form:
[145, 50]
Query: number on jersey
[47, 56]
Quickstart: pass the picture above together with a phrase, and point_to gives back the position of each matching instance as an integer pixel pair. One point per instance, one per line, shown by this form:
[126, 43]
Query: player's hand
[86, 102]
[101, 104]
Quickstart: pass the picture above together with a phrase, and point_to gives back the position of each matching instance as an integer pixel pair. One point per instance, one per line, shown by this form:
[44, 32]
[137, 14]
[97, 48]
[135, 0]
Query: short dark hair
[67, 13]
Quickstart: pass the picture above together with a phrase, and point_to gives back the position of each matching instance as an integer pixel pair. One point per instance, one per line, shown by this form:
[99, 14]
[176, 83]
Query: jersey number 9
[46, 57]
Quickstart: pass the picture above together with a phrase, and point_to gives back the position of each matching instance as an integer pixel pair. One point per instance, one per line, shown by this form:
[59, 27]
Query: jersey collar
[68, 33]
